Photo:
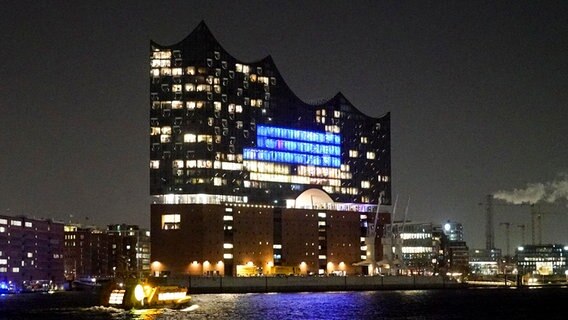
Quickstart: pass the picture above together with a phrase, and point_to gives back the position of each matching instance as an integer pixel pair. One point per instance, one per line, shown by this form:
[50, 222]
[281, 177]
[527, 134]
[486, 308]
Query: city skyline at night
[475, 91]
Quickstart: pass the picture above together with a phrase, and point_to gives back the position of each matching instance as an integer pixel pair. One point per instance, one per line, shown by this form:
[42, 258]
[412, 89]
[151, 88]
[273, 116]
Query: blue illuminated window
[295, 146]
[290, 157]
[299, 135]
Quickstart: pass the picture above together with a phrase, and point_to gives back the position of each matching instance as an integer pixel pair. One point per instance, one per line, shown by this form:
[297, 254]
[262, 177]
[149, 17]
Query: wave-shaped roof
[201, 42]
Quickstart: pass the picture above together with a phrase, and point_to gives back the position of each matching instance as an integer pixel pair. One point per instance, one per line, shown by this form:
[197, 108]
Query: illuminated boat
[139, 295]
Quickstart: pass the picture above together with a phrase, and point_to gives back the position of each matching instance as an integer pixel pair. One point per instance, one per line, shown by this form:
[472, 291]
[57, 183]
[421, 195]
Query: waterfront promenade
[198, 285]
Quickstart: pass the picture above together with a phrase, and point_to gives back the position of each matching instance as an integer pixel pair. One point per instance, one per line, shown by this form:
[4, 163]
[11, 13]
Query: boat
[89, 283]
[148, 294]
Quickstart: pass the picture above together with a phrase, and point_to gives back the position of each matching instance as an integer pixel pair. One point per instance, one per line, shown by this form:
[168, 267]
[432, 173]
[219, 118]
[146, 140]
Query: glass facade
[225, 130]
[542, 259]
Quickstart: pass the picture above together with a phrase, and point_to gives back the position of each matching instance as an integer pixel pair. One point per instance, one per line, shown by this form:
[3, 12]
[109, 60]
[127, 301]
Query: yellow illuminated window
[171, 221]
[177, 104]
[189, 138]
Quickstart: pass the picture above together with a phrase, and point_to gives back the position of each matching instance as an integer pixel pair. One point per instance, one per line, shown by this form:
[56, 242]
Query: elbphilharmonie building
[244, 175]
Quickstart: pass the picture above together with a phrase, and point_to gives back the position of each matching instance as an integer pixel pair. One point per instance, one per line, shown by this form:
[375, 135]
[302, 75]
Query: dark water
[541, 303]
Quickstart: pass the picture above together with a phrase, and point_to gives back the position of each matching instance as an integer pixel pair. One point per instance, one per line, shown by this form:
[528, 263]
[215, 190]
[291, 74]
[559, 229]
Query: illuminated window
[154, 164]
[3, 221]
[177, 105]
[353, 153]
[189, 87]
[166, 130]
[170, 221]
[365, 184]
[177, 71]
[370, 155]
[165, 138]
[16, 223]
[166, 71]
[363, 139]
[203, 88]
[190, 71]
[189, 138]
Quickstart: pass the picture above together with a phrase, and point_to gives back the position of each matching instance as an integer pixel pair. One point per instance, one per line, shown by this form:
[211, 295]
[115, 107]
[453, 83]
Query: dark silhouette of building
[129, 250]
[31, 253]
[86, 252]
[121, 251]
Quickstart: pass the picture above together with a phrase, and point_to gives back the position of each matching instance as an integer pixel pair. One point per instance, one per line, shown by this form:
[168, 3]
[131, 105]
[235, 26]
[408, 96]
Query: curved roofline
[203, 28]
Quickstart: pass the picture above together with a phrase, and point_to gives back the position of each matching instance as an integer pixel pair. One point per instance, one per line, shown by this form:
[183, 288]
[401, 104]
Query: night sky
[477, 90]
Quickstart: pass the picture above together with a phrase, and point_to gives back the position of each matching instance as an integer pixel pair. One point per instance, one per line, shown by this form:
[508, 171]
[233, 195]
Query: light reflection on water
[405, 304]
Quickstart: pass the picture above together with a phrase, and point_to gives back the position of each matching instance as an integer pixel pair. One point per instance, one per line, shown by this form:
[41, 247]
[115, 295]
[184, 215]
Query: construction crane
[507, 227]
[522, 227]
[489, 229]
[536, 217]
[536, 221]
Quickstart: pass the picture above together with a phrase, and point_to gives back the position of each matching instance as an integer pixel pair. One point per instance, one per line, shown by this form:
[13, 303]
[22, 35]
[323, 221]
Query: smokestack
[489, 239]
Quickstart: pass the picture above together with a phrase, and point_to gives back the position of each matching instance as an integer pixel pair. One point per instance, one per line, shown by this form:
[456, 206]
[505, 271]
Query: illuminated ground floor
[251, 240]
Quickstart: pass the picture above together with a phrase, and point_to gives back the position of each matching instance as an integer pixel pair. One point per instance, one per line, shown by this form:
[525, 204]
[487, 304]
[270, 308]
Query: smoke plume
[534, 192]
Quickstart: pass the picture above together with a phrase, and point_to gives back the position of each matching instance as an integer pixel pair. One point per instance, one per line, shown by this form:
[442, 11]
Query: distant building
[484, 262]
[542, 263]
[411, 248]
[457, 257]
[453, 230]
[129, 250]
[31, 252]
[246, 177]
[119, 251]
[86, 252]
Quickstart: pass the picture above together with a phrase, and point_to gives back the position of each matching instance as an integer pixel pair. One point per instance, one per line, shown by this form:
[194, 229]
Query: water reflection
[404, 304]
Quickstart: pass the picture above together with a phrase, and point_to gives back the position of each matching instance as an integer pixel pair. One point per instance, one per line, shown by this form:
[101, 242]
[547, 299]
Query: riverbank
[198, 285]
